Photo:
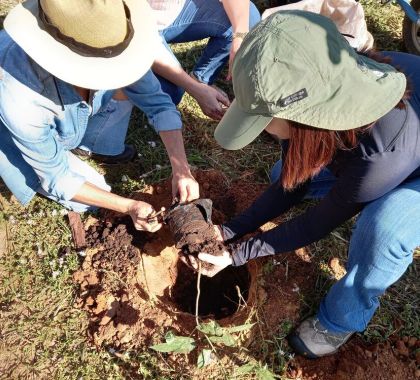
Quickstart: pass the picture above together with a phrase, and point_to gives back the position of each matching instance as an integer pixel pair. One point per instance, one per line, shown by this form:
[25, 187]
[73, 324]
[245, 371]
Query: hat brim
[24, 27]
[238, 128]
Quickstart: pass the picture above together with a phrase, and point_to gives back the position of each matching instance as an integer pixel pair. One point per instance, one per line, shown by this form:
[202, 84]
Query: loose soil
[134, 289]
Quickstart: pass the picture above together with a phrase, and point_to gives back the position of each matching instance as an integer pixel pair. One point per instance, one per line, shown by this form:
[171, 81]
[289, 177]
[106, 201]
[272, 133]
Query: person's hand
[185, 187]
[213, 102]
[143, 215]
[218, 263]
[236, 43]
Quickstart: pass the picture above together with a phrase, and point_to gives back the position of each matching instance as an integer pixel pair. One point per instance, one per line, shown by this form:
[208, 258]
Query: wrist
[239, 35]
[128, 205]
[181, 169]
[194, 86]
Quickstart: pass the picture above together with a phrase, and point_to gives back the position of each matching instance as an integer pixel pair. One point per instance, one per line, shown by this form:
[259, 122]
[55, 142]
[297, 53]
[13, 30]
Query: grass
[43, 336]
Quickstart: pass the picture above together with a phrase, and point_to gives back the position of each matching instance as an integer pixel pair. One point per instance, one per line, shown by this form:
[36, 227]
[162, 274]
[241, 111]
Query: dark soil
[134, 288]
[220, 296]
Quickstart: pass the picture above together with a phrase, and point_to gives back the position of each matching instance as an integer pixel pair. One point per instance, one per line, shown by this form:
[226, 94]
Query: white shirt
[166, 11]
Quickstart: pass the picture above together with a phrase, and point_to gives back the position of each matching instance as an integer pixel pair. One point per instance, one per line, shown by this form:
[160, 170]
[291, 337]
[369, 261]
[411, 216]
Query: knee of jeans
[254, 15]
[384, 235]
[276, 171]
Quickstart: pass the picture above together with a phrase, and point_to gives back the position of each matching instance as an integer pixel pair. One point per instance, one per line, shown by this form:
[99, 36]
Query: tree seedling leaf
[264, 374]
[211, 328]
[175, 344]
[225, 339]
[245, 369]
[204, 358]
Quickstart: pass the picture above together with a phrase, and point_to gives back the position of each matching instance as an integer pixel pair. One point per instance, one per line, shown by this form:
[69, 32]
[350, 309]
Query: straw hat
[94, 44]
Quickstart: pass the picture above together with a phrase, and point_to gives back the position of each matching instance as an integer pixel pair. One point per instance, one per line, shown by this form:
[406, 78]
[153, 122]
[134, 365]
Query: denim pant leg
[202, 19]
[91, 176]
[320, 184]
[106, 130]
[381, 248]
[19, 177]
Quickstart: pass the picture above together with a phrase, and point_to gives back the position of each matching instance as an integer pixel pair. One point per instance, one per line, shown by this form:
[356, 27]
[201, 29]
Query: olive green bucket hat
[295, 65]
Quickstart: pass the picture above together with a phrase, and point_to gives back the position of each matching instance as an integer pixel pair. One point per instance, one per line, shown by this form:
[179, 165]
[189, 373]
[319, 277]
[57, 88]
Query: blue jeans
[381, 248]
[201, 19]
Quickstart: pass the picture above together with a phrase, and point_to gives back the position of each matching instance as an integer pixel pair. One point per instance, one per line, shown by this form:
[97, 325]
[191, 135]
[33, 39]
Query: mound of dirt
[134, 288]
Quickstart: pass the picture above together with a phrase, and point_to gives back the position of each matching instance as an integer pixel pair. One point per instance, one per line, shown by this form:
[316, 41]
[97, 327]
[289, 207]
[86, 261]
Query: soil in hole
[220, 296]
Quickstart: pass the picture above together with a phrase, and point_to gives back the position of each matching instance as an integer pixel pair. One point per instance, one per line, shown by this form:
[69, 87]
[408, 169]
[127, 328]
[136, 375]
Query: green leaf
[211, 328]
[176, 344]
[235, 329]
[245, 369]
[264, 373]
[225, 339]
[204, 358]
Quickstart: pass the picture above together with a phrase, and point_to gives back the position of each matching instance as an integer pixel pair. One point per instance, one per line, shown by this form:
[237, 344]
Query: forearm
[92, 195]
[238, 14]
[174, 145]
[298, 232]
[177, 75]
[271, 204]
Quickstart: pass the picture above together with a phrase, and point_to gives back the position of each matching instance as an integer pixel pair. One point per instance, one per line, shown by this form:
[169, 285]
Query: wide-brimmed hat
[95, 44]
[295, 65]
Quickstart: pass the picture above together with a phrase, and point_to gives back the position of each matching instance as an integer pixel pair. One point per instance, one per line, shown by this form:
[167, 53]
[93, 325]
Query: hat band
[83, 49]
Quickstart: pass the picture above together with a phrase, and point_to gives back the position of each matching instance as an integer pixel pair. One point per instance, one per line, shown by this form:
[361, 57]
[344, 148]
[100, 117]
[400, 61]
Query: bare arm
[238, 14]
[208, 98]
[184, 185]
[139, 211]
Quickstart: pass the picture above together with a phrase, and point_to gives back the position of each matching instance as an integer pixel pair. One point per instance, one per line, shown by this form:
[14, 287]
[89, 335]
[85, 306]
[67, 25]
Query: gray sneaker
[313, 340]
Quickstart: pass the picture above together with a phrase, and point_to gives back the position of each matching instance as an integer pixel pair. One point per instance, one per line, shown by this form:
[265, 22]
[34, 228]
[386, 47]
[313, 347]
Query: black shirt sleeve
[361, 180]
[271, 204]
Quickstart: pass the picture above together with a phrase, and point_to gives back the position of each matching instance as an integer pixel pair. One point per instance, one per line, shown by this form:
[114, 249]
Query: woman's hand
[218, 263]
[143, 217]
[185, 187]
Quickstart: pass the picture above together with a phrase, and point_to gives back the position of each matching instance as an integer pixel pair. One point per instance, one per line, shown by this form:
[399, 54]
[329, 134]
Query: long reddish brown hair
[311, 149]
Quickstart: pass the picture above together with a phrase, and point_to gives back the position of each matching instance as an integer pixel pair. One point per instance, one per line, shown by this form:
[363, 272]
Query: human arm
[163, 115]
[141, 212]
[238, 14]
[184, 186]
[362, 181]
[211, 101]
[273, 202]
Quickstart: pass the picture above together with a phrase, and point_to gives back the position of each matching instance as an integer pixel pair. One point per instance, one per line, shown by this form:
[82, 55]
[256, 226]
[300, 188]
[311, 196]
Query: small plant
[213, 334]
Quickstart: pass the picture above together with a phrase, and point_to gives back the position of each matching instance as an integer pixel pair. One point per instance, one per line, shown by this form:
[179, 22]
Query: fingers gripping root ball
[193, 230]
